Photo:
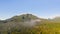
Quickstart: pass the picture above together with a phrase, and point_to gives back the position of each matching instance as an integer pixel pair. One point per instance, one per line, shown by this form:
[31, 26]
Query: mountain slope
[29, 24]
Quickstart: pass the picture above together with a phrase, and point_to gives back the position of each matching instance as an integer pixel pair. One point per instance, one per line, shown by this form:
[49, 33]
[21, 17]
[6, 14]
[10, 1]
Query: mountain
[18, 23]
[29, 24]
[56, 19]
[23, 17]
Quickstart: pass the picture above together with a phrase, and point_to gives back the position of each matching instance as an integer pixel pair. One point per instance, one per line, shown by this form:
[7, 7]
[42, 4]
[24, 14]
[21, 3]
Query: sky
[40, 8]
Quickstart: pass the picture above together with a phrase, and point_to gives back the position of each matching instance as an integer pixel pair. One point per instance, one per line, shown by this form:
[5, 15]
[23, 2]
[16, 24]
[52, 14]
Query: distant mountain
[56, 19]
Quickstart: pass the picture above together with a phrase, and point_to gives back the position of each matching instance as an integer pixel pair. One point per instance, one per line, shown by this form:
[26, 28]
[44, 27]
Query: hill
[29, 24]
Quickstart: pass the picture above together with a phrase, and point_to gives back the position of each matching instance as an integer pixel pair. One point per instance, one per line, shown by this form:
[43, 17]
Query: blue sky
[41, 8]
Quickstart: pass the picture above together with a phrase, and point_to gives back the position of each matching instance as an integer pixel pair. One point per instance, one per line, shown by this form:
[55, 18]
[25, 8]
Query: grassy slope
[44, 28]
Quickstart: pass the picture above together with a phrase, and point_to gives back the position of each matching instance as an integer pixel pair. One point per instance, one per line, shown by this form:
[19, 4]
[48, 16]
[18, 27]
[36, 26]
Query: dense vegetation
[29, 24]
